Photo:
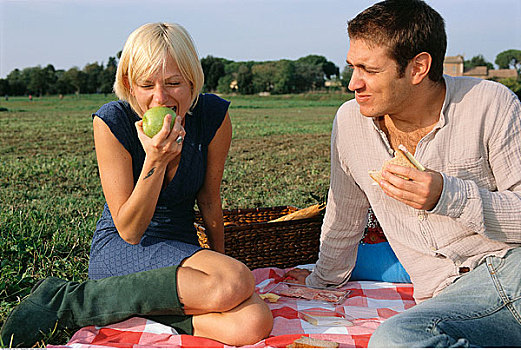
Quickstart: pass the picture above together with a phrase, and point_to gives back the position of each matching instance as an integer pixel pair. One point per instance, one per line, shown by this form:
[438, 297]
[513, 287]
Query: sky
[73, 33]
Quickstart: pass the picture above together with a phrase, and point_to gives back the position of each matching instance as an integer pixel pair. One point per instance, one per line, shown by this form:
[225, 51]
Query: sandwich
[401, 157]
[307, 342]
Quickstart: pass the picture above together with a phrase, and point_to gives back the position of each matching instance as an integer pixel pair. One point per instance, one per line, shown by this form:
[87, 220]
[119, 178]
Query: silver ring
[179, 139]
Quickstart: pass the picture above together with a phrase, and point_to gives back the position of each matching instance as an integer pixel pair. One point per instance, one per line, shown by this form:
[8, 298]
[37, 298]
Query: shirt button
[457, 262]
[421, 216]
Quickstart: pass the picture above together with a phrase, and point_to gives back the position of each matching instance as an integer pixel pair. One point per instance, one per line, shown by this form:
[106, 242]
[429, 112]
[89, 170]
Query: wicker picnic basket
[251, 238]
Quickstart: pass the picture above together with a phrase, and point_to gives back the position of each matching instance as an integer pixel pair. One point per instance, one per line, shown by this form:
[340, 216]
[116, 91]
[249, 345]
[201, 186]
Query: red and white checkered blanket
[368, 304]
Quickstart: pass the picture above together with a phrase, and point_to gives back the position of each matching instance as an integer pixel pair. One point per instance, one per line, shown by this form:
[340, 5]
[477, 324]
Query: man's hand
[422, 190]
[297, 276]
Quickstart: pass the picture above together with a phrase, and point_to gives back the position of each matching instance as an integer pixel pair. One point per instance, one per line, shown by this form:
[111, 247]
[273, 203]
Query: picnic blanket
[368, 305]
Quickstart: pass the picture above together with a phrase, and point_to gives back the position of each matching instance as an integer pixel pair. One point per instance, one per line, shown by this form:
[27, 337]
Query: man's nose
[356, 81]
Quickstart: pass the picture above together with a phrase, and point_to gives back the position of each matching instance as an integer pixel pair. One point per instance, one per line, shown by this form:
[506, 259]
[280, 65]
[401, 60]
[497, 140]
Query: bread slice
[270, 297]
[307, 342]
[401, 157]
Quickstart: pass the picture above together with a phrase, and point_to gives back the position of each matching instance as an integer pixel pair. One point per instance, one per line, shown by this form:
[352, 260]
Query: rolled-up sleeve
[494, 214]
[344, 222]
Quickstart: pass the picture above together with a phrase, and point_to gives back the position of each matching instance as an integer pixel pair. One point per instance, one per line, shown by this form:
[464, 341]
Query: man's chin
[369, 113]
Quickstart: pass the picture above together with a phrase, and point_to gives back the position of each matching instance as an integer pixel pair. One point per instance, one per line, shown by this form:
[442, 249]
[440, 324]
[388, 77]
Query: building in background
[454, 66]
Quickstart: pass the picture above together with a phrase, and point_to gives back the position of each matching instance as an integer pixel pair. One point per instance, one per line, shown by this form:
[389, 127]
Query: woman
[145, 259]
[151, 184]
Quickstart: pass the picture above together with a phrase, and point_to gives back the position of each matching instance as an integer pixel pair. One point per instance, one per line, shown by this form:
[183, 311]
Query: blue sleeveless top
[174, 215]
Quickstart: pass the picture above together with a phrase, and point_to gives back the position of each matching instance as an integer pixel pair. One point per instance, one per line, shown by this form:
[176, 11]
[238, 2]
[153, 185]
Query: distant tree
[284, 82]
[477, 61]
[4, 87]
[308, 77]
[215, 72]
[63, 85]
[93, 74]
[263, 79]
[77, 79]
[92, 77]
[50, 76]
[509, 59]
[224, 84]
[213, 68]
[244, 80]
[108, 76]
[513, 84]
[328, 68]
[17, 84]
[346, 75]
[36, 80]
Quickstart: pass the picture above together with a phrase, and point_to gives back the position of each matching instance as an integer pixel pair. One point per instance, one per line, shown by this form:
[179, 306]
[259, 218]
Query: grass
[51, 197]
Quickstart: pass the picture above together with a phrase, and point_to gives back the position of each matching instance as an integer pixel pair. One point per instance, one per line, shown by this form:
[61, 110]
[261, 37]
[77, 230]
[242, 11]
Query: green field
[51, 197]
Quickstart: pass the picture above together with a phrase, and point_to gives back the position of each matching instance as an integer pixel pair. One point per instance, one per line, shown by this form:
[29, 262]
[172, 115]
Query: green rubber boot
[56, 303]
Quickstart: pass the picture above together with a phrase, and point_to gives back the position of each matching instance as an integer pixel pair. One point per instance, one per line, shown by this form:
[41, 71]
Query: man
[456, 226]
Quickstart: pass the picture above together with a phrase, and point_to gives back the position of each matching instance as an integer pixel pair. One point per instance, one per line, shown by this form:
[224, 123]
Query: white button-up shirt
[476, 146]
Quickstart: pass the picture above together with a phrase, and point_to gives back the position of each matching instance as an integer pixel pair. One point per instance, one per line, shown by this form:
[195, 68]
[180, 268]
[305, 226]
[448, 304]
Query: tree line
[508, 59]
[221, 75]
[276, 77]
[38, 81]
[283, 76]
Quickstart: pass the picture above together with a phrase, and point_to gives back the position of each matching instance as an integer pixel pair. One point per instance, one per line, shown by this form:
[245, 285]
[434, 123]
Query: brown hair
[407, 28]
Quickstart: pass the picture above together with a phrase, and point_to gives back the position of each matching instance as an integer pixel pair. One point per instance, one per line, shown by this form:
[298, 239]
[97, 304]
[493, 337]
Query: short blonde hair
[146, 51]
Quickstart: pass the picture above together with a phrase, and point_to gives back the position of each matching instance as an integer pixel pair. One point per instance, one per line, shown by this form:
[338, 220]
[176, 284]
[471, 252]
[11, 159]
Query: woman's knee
[225, 282]
[231, 287]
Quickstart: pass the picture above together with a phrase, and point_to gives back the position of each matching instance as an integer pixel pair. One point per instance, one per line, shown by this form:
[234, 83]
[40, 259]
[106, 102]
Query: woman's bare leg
[218, 290]
[212, 282]
[245, 324]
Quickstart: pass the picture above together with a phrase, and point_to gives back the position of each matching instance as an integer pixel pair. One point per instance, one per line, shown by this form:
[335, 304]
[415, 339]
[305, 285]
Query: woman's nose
[160, 95]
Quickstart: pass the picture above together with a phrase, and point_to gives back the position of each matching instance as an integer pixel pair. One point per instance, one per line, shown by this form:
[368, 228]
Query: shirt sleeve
[344, 223]
[494, 214]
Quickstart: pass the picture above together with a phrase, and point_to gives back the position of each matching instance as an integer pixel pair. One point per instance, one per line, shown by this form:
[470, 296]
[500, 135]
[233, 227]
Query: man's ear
[421, 65]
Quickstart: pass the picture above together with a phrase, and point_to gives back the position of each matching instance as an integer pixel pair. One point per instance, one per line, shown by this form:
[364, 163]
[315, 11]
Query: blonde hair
[147, 50]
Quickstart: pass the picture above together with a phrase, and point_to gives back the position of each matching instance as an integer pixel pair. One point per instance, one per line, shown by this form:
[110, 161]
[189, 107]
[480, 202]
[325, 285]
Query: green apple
[153, 119]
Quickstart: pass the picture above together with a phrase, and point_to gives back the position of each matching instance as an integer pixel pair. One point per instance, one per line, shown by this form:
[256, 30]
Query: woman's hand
[164, 146]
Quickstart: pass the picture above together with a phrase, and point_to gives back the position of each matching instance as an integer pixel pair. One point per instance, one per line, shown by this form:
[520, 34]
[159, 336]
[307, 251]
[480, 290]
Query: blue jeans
[480, 309]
